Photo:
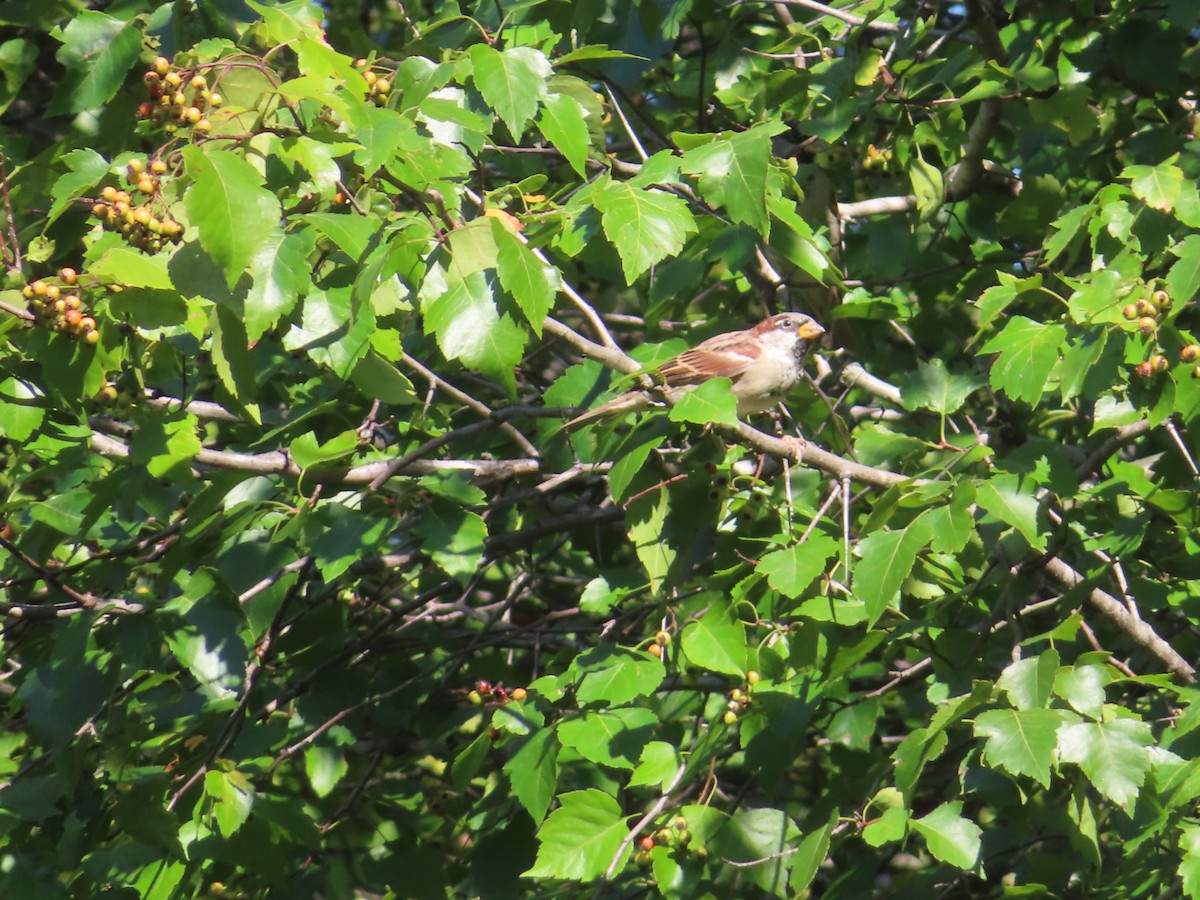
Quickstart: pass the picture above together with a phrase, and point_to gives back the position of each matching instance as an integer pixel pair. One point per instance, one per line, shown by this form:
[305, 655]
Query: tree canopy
[307, 592]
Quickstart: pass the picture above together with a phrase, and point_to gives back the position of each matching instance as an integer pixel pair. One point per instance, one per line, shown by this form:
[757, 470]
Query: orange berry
[158, 167]
[1130, 312]
[1190, 353]
[1144, 370]
[1147, 325]
[92, 337]
[203, 126]
[162, 65]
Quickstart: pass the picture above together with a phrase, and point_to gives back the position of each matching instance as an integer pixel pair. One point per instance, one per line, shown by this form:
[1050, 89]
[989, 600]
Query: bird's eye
[785, 322]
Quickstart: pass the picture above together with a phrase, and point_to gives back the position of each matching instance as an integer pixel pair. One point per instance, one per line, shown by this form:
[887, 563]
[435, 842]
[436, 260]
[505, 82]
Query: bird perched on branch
[763, 363]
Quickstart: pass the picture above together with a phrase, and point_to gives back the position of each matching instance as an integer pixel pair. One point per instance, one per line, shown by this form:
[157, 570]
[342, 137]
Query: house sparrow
[763, 363]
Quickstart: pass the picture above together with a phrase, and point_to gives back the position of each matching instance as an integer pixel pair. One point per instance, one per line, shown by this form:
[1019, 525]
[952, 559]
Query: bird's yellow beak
[810, 330]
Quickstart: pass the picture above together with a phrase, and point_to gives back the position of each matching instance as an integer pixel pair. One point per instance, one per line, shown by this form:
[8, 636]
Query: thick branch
[1120, 616]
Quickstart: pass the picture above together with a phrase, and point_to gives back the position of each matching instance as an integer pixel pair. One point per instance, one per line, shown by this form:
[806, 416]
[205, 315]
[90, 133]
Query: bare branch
[1115, 610]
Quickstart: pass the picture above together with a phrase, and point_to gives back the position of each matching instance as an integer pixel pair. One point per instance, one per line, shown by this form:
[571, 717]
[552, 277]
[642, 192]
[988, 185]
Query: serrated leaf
[1113, 755]
[470, 328]
[1189, 863]
[614, 675]
[232, 796]
[1020, 741]
[1156, 186]
[279, 274]
[97, 51]
[645, 225]
[1007, 499]
[950, 837]
[1028, 682]
[511, 81]
[580, 839]
[333, 331]
[716, 641]
[563, 122]
[1028, 352]
[658, 765]
[232, 212]
[712, 401]
[533, 772]
[887, 559]
[532, 283]
[380, 133]
[793, 569]
[733, 173]
[1083, 688]
[933, 387]
[611, 737]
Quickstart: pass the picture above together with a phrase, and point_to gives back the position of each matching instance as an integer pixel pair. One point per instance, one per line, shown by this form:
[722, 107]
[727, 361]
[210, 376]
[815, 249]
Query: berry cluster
[179, 98]
[136, 220]
[675, 835]
[57, 303]
[739, 698]
[379, 87]
[498, 693]
[1148, 313]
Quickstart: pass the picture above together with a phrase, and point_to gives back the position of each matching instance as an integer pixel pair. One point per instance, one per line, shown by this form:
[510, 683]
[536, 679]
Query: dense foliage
[308, 593]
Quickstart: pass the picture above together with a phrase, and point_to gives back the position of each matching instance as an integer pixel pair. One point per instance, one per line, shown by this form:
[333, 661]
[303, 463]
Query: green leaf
[614, 675]
[793, 569]
[1020, 741]
[716, 641]
[1005, 498]
[453, 536]
[927, 186]
[325, 766]
[22, 408]
[933, 387]
[811, 855]
[658, 765]
[1183, 280]
[890, 827]
[87, 168]
[533, 772]
[333, 330]
[581, 838]
[887, 558]
[733, 173]
[645, 225]
[1083, 688]
[231, 356]
[469, 328]
[563, 123]
[379, 132]
[1113, 755]
[233, 213]
[611, 737]
[712, 401]
[1028, 352]
[1189, 863]
[165, 445]
[97, 51]
[760, 837]
[532, 283]
[379, 379]
[279, 272]
[512, 82]
[307, 451]
[232, 796]
[1156, 186]
[1028, 682]
[950, 837]
[351, 234]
